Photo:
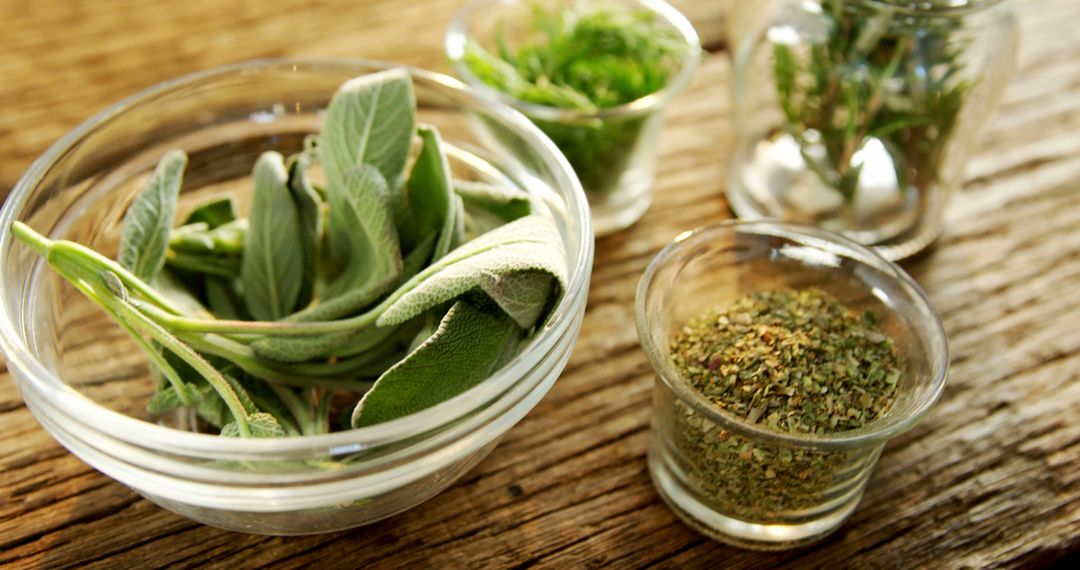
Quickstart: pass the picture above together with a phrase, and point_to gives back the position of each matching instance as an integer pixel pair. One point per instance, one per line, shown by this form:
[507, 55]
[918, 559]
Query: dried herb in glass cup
[858, 115]
[786, 357]
[594, 76]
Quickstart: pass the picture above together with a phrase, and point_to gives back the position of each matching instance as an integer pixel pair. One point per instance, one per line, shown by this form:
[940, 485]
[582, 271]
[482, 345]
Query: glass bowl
[614, 150]
[86, 382]
[737, 481]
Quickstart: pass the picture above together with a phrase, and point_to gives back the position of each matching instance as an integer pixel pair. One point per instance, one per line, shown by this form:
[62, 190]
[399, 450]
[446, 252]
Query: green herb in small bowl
[594, 76]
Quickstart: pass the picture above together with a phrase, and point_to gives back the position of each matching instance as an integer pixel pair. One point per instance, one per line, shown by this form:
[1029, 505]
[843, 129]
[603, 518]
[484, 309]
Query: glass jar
[859, 116]
[613, 150]
[736, 480]
[87, 382]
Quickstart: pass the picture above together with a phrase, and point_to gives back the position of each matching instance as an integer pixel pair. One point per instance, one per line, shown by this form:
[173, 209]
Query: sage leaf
[464, 351]
[172, 289]
[241, 394]
[488, 206]
[199, 238]
[165, 400]
[369, 121]
[214, 212]
[211, 407]
[261, 425]
[309, 209]
[208, 263]
[299, 349]
[144, 232]
[363, 240]
[223, 300]
[431, 324]
[272, 266]
[191, 237]
[419, 256]
[507, 203]
[453, 231]
[530, 244]
[524, 295]
[268, 401]
[428, 205]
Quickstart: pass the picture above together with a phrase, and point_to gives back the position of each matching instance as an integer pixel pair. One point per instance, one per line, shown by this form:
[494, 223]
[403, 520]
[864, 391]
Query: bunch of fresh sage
[391, 289]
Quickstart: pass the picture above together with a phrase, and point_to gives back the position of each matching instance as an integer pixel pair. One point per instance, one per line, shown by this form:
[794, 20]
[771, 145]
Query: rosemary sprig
[875, 77]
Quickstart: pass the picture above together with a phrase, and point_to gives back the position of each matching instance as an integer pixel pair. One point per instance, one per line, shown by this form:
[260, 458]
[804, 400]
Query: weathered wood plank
[991, 478]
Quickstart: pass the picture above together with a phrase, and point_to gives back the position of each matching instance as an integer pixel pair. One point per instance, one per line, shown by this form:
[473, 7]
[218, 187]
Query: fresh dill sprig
[584, 57]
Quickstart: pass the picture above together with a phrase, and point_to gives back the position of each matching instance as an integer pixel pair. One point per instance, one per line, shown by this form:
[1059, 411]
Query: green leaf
[428, 202]
[309, 208]
[241, 394]
[272, 266]
[172, 289]
[211, 407]
[453, 231]
[527, 245]
[200, 238]
[165, 400]
[369, 121]
[144, 233]
[299, 349]
[268, 401]
[431, 324]
[464, 350]
[363, 241]
[214, 212]
[207, 399]
[524, 295]
[208, 263]
[191, 237]
[505, 202]
[261, 424]
[223, 300]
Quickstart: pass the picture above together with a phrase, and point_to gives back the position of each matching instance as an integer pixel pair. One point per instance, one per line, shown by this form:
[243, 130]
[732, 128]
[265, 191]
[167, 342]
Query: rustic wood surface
[990, 478]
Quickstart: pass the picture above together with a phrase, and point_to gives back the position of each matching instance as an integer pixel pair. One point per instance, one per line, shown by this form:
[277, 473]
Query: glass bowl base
[764, 183]
[736, 532]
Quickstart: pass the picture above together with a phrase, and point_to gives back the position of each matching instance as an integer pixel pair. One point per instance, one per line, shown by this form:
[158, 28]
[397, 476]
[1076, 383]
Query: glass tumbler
[738, 481]
[613, 150]
[858, 116]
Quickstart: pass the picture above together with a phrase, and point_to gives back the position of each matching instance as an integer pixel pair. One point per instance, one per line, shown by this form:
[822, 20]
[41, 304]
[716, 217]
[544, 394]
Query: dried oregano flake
[790, 361]
[795, 361]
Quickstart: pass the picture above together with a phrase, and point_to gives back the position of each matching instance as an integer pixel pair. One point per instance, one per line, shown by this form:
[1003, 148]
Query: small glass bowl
[613, 151]
[87, 383]
[771, 490]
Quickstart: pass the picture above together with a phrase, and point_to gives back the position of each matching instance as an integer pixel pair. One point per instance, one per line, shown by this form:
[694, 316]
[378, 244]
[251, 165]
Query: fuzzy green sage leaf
[464, 350]
[144, 233]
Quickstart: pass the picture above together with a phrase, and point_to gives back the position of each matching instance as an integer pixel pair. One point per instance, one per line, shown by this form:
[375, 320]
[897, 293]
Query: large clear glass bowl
[87, 383]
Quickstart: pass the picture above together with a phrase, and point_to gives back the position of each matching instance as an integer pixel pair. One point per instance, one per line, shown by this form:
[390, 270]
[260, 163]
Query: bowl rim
[457, 36]
[144, 433]
[877, 431]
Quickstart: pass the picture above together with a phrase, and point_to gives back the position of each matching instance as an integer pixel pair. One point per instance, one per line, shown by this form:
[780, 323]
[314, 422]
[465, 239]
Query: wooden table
[991, 477]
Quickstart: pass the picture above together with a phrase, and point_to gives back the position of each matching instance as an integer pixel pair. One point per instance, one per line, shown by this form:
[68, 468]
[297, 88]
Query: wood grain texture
[990, 479]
